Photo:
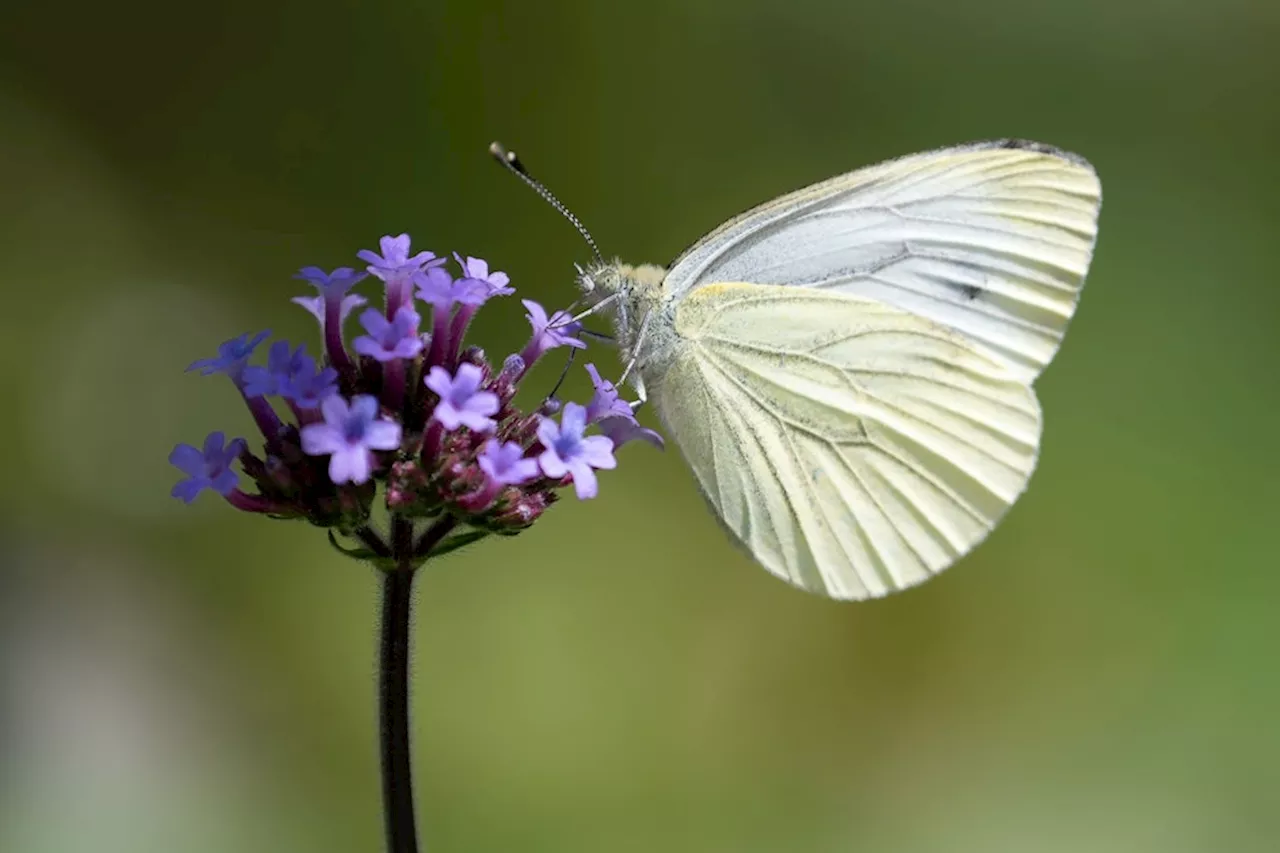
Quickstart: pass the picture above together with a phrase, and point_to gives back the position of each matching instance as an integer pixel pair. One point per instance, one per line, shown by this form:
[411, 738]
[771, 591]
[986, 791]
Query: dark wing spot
[969, 291]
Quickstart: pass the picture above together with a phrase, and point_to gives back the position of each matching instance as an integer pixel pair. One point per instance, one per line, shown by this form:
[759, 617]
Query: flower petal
[597, 451]
[585, 485]
[187, 459]
[382, 435]
[552, 465]
[322, 439]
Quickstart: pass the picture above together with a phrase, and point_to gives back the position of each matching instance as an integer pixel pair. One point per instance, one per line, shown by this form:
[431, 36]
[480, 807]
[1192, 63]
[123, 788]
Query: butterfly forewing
[992, 240]
[853, 448]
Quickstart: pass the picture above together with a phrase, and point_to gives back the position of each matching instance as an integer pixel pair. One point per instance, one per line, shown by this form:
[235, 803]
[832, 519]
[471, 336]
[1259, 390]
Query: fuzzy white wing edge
[853, 449]
[991, 239]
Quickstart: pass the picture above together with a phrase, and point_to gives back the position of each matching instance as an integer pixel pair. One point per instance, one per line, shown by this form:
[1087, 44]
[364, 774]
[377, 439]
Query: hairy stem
[393, 693]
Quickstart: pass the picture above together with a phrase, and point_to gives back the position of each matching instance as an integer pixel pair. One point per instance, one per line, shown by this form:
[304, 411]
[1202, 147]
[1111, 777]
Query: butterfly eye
[586, 283]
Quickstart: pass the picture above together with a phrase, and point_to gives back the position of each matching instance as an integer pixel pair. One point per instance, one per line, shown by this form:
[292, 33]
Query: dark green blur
[1100, 676]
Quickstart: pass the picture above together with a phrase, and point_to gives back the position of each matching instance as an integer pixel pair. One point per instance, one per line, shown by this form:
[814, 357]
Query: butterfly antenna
[515, 167]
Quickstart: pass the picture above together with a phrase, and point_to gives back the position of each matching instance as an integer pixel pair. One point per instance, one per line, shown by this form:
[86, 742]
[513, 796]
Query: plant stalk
[393, 693]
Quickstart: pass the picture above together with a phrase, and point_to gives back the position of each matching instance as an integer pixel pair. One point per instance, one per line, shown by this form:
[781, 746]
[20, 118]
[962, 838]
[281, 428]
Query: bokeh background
[1100, 676]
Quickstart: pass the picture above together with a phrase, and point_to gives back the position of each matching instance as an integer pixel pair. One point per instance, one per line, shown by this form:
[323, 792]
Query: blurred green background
[1100, 676]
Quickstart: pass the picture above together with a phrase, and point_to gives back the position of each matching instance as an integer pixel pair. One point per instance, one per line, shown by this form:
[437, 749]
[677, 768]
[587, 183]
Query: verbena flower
[569, 452]
[232, 358]
[209, 468]
[505, 464]
[349, 435]
[389, 339]
[308, 386]
[396, 268]
[558, 330]
[462, 403]
[477, 270]
[281, 366]
[614, 416]
[424, 421]
[332, 285]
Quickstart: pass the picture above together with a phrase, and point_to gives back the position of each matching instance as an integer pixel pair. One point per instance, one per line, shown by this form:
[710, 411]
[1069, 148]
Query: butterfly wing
[853, 448]
[992, 240]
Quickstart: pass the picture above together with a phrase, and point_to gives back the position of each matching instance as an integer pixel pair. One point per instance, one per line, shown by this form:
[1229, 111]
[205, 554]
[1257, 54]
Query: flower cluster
[420, 412]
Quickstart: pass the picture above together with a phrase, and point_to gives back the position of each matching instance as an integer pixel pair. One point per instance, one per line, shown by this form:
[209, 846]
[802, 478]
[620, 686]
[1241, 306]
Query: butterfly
[848, 369]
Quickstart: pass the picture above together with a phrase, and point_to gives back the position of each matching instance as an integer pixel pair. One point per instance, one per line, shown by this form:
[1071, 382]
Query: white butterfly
[848, 368]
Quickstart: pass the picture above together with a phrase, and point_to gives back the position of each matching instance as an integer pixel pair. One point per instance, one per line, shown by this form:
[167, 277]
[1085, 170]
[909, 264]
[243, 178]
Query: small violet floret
[332, 285]
[614, 415]
[548, 332]
[348, 435]
[477, 270]
[388, 340]
[568, 451]
[233, 356]
[462, 403]
[439, 289]
[281, 366]
[395, 264]
[505, 464]
[308, 387]
[209, 468]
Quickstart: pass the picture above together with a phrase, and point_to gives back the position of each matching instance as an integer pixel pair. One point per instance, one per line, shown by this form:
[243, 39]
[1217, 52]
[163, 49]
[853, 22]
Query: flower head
[505, 463]
[462, 403]
[395, 263]
[389, 340]
[477, 270]
[233, 356]
[459, 453]
[569, 451]
[209, 468]
[348, 436]
[332, 285]
[548, 332]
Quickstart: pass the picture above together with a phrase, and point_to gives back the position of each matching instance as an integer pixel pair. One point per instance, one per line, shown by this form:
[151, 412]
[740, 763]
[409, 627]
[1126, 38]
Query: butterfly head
[616, 279]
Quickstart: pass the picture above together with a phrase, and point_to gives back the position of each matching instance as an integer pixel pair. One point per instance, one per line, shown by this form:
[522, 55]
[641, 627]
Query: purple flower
[605, 401]
[438, 288]
[505, 463]
[614, 415]
[315, 305]
[206, 469]
[348, 436]
[308, 387]
[620, 430]
[331, 284]
[233, 356]
[462, 403]
[548, 332]
[477, 270]
[394, 264]
[389, 340]
[272, 379]
[568, 451]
